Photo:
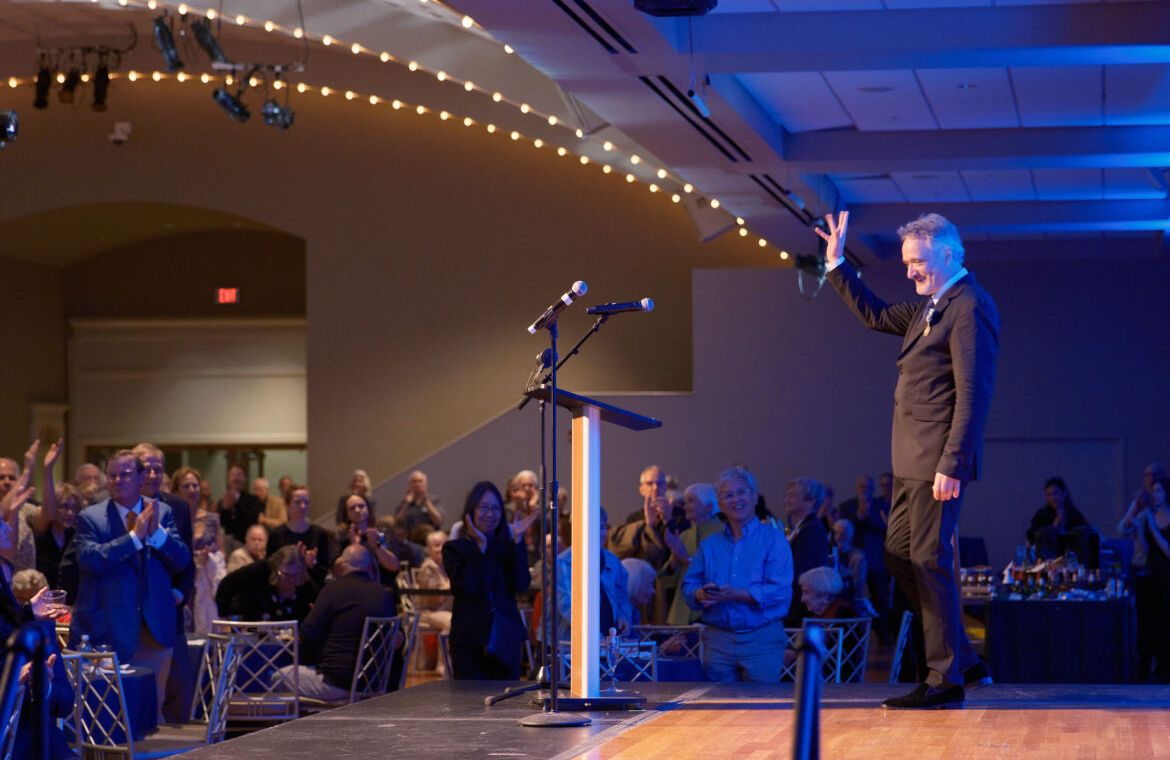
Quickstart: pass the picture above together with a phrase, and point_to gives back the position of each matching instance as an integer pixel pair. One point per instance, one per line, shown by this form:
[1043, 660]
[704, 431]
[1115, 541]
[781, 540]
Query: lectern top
[609, 413]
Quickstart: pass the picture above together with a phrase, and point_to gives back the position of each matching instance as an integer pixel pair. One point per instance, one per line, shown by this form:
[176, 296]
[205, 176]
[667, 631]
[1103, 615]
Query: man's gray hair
[811, 488]
[738, 472]
[936, 231]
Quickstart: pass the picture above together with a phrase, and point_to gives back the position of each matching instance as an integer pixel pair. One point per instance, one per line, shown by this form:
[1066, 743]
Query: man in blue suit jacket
[128, 549]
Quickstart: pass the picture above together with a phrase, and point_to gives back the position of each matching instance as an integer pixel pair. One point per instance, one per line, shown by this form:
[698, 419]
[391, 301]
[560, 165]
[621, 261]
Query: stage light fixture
[232, 104]
[101, 85]
[44, 82]
[276, 115]
[69, 86]
[8, 127]
[206, 39]
[164, 40]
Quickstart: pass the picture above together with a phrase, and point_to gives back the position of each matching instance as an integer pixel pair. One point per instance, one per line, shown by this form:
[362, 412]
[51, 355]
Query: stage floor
[444, 719]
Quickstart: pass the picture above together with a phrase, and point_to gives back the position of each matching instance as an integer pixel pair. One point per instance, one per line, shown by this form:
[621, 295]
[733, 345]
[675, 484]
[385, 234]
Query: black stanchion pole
[806, 734]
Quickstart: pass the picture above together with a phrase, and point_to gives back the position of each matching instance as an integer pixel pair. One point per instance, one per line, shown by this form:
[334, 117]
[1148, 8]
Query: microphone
[645, 304]
[579, 288]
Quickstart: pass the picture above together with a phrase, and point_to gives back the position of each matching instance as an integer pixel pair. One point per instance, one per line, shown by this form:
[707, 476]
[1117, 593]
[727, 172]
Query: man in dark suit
[807, 538]
[181, 679]
[946, 376]
[128, 549]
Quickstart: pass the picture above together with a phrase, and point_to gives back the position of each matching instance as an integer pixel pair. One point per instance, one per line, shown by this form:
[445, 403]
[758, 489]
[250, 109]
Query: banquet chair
[848, 658]
[371, 673]
[830, 667]
[256, 695]
[8, 730]
[900, 645]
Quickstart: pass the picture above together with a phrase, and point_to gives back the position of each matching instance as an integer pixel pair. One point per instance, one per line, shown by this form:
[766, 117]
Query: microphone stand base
[555, 720]
[625, 701]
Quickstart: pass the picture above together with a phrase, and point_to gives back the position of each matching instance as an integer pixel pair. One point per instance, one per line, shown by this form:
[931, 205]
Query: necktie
[929, 316]
[131, 520]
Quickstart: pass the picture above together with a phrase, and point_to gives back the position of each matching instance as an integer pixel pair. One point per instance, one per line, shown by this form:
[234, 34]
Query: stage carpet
[444, 719]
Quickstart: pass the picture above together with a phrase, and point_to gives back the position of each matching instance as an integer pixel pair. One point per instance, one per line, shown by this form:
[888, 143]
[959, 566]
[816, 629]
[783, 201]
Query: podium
[588, 417]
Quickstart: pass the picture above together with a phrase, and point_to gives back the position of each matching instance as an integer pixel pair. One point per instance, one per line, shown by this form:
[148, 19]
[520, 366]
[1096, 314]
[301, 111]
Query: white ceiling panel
[1004, 185]
[1069, 184]
[1122, 184]
[941, 187]
[970, 98]
[1059, 97]
[799, 101]
[868, 190]
[882, 100]
[1138, 94]
[902, 4]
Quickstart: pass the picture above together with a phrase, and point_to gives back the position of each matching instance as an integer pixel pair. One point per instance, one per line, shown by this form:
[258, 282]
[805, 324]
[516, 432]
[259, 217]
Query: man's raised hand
[835, 238]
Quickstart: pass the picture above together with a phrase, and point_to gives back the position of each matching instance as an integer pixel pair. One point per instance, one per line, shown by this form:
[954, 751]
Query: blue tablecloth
[1049, 641]
[141, 695]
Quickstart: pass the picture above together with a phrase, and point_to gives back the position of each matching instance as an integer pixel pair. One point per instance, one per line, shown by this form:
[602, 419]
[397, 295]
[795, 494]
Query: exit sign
[225, 296]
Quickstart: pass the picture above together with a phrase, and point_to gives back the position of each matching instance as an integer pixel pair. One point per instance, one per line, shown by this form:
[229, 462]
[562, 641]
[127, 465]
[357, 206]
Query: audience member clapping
[358, 529]
[311, 540]
[53, 540]
[359, 484]
[851, 562]
[278, 588]
[431, 575]
[238, 509]
[418, 513]
[487, 567]
[644, 538]
[1152, 533]
[91, 481]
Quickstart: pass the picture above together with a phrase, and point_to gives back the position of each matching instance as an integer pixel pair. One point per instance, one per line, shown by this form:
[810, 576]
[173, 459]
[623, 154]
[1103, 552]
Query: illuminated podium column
[584, 658]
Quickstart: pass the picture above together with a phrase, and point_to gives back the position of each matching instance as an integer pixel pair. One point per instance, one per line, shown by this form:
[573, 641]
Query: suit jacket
[945, 379]
[120, 587]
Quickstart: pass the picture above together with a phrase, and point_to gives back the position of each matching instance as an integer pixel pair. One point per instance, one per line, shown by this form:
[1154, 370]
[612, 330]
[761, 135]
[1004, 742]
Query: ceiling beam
[1027, 217]
[1036, 35]
[852, 151]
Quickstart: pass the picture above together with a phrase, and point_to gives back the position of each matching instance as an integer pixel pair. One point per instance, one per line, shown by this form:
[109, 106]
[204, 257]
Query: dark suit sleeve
[184, 581]
[873, 312]
[974, 344]
[174, 554]
[516, 566]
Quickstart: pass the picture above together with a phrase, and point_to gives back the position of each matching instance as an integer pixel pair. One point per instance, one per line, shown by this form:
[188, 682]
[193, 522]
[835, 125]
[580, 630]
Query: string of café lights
[421, 110]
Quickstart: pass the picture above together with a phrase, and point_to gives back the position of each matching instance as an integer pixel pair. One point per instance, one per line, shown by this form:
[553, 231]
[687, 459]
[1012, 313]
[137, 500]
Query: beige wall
[33, 317]
[430, 247]
[177, 276]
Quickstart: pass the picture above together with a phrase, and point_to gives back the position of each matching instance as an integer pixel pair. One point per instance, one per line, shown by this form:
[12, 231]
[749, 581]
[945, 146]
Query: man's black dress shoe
[977, 675]
[927, 698]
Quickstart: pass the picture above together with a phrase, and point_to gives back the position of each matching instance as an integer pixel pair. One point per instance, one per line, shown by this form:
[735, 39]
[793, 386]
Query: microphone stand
[549, 489]
[572, 352]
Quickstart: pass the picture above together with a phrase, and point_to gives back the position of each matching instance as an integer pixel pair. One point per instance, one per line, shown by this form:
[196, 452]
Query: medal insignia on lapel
[930, 314]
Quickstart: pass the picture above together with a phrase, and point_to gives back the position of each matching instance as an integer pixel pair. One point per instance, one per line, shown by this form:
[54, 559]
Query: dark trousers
[180, 681]
[921, 549]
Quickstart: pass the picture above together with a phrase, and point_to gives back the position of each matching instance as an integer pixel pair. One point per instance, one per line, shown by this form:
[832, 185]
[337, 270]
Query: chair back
[851, 649]
[830, 666]
[219, 666]
[683, 642]
[100, 721]
[8, 730]
[900, 645]
[257, 693]
[410, 631]
[371, 675]
[445, 653]
[640, 658]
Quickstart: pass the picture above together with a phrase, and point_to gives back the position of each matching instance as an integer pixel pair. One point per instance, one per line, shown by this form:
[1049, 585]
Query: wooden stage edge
[741, 721]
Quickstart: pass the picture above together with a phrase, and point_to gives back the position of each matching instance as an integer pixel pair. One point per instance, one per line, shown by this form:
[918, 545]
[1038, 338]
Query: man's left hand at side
[946, 487]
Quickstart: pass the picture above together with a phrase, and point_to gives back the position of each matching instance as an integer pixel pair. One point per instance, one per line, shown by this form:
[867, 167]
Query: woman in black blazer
[488, 567]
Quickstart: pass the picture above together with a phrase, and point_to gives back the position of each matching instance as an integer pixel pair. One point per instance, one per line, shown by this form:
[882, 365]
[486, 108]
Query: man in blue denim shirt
[741, 581]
